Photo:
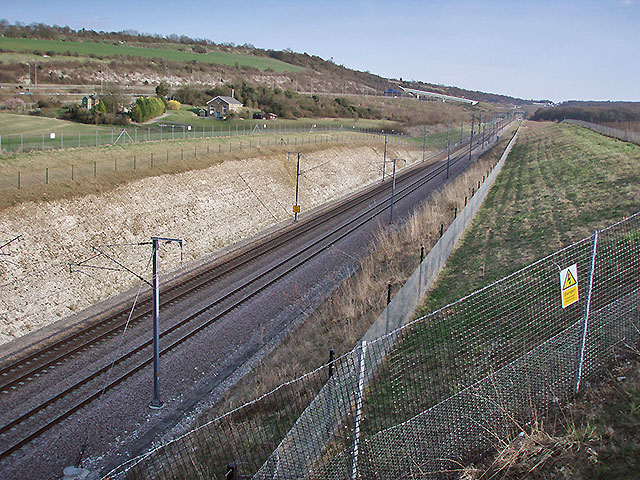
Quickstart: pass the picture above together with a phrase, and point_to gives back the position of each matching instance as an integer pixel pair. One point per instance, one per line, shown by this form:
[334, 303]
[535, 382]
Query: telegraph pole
[424, 143]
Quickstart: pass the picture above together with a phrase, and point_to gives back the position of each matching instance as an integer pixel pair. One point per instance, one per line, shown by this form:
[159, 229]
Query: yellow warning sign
[569, 285]
[296, 209]
[569, 281]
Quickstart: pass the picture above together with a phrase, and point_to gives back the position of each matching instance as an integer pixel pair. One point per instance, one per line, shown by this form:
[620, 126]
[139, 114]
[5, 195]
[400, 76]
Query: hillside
[66, 56]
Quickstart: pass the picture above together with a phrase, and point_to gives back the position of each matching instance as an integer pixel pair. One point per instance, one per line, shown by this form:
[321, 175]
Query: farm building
[220, 107]
[90, 101]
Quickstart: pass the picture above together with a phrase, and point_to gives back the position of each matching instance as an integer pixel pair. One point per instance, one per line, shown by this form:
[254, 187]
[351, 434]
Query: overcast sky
[558, 50]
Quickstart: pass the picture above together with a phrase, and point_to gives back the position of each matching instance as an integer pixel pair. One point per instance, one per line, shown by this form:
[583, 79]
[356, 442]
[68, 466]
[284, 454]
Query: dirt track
[209, 209]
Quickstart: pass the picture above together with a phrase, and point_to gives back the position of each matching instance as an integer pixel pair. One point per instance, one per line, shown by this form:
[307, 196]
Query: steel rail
[354, 224]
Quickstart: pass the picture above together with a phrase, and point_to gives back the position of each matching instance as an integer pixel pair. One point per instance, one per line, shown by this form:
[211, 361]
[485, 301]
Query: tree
[162, 90]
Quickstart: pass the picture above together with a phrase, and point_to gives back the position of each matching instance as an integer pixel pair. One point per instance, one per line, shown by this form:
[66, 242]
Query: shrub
[173, 105]
[147, 108]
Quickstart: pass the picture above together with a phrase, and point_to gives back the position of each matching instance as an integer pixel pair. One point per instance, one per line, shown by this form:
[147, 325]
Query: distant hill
[68, 56]
[591, 111]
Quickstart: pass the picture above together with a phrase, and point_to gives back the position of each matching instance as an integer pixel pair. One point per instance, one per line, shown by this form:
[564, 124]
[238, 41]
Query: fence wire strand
[437, 391]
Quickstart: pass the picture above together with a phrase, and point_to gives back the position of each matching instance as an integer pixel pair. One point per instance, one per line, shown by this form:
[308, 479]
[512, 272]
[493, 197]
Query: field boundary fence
[56, 139]
[628, 134]
[418, 398]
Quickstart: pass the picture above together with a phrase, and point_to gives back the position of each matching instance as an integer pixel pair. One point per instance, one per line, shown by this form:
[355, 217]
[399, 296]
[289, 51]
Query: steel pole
[295, 214]
[448, 148]
[393, 190]
[384, 159]
[156, 403]
[473, 120]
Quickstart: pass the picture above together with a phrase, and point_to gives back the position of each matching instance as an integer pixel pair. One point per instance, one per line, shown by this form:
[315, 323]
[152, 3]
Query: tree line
[597, 112]
[284, 103]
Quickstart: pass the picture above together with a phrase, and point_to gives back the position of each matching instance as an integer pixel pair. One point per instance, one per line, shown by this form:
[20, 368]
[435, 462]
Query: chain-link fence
[85, 136]
[413, 400]
[172, 157]
[169, 159]
[627, 131]
[438, 390]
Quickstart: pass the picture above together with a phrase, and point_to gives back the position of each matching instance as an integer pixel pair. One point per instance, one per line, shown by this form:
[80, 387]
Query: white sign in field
[569, 285]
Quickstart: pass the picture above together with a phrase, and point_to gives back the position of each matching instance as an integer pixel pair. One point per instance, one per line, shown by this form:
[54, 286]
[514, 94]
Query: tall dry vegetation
[345, 316]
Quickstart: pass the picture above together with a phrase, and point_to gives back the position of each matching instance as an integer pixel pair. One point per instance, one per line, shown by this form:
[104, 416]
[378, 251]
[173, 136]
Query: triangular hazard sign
[569, 281]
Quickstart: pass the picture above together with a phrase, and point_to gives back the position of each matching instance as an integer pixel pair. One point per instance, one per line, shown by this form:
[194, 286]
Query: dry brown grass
[345, 316]
[115, 163]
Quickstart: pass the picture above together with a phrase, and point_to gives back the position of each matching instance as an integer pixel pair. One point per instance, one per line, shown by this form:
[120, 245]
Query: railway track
[31, 423]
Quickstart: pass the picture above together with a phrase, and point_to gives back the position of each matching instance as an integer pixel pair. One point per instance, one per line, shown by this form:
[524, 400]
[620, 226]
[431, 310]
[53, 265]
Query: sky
[557, 50]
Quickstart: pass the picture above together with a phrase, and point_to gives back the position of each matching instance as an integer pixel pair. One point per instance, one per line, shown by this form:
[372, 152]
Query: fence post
[585, 323]
[358, 412]
[18, 179]
[95, 169]
[46, 176]
[386, 328]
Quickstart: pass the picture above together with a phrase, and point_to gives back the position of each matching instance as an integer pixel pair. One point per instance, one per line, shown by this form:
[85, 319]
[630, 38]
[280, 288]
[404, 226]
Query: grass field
[25, 57]
[108, 49]
[560, 183]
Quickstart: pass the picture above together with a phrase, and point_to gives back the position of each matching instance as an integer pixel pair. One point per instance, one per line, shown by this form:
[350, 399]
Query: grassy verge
[336, 324]
[561, 182]
[594, 437]
[98, 169]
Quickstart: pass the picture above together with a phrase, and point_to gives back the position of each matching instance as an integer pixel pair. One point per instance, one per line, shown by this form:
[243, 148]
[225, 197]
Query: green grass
[187, 116]
[10, 58]
[108, 49]
[559, 184]
[31, 133]
[31, 126]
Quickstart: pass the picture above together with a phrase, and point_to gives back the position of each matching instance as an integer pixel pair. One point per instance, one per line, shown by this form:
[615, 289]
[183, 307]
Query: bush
[147, 108]
[173, 105]
[95, 116]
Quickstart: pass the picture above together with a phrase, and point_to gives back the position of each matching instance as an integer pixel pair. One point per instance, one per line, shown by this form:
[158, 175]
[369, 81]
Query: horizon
[487, 48]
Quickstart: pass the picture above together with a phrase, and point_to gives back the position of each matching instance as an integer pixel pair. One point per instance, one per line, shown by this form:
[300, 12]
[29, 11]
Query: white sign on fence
[569, 285]
[52, 135]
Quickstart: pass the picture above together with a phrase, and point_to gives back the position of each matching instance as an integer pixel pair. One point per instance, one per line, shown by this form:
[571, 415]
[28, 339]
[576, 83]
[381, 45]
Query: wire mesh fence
[627, 131]
[437, 391]
[85, 136]
[122, 163]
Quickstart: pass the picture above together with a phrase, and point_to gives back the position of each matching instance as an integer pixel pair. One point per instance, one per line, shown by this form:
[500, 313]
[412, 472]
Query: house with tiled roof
[220, 107]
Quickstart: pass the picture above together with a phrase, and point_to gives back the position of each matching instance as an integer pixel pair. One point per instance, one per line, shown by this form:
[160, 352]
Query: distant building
[270, 116]
[90, 101]
[220, 107]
